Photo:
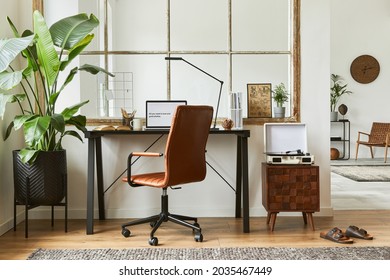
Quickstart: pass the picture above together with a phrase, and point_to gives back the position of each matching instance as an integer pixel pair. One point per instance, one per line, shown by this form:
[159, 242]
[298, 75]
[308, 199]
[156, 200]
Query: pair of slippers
[338, 236]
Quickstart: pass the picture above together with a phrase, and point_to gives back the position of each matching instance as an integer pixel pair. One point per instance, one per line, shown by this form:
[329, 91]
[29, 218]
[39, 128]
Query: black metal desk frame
[95, 157]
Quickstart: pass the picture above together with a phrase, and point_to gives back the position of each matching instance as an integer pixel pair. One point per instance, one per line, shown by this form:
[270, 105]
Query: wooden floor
[218, 232]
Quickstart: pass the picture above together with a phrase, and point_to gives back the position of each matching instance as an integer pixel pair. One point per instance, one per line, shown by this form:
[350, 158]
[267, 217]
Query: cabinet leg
[311, 220]
[268, 217]
[273, 219]
[304, 217]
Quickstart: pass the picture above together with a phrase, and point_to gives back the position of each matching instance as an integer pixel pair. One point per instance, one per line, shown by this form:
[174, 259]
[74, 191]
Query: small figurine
[227, 124]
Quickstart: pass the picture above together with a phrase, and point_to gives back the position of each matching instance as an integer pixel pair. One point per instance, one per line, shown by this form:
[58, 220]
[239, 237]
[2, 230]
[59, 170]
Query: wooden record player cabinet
[290, 188]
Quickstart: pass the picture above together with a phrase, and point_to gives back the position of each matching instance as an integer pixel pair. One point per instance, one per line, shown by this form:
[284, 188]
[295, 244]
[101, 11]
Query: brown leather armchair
[185, 162]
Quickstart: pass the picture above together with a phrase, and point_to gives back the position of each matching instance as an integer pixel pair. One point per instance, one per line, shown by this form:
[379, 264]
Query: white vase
[334, 116]
[279, 112]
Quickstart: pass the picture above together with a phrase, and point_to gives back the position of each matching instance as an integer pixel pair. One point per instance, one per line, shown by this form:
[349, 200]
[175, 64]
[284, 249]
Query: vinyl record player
[286, 144]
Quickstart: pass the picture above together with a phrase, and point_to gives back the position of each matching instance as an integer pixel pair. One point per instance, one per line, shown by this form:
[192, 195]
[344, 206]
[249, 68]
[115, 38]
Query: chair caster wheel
[126, 232]
[198, 237]
[153, 241]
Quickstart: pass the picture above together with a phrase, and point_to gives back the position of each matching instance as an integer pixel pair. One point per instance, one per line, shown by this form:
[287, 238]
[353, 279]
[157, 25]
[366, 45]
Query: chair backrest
[378, 132]
[185, 159]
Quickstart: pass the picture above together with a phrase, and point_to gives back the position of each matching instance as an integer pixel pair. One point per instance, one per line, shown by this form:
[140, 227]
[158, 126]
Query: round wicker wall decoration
[365, 69]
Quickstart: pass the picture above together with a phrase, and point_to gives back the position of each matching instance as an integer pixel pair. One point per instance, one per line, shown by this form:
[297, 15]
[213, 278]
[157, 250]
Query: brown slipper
[336, 235]
[354, 231]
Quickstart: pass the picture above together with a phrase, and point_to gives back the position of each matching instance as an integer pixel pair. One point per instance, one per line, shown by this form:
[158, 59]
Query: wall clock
[365, 69]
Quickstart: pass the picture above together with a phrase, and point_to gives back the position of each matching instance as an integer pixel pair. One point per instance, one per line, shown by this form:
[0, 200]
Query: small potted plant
[280, 96]
[337, 89]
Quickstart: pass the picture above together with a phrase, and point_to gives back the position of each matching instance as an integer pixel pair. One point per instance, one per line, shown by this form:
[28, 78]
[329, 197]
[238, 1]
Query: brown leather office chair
[185, 162]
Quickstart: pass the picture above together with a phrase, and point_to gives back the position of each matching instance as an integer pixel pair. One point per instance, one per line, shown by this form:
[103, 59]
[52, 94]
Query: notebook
[159, 113]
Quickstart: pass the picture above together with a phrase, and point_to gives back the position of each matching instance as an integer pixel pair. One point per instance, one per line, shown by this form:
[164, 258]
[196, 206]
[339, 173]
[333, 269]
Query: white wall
[213, 197]
[355, 31]
[21, 19]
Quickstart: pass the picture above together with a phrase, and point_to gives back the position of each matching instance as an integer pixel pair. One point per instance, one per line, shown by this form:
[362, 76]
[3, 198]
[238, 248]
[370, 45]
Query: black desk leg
[99, 175]
[245, 182]
[238, 177]
[90, 184]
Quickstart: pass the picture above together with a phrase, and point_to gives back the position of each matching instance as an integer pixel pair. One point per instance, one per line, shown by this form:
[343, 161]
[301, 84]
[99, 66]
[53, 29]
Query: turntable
[286, 143]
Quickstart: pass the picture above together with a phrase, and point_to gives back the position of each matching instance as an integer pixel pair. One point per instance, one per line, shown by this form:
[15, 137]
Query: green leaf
[9, 98]
[4, 99]
[8, 80]
[76, 50]
[94, 69]
[47, 54]
[35, 129]
[74, 134]
[10, 48]
[70, 111]
[57, 121]
[79, 121]
[21, 119]
[8, 131]
[68, 31]
[28, 155]
[68, 79]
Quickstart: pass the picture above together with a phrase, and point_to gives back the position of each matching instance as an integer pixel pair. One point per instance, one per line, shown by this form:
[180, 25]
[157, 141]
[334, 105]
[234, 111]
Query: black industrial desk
[95, 156]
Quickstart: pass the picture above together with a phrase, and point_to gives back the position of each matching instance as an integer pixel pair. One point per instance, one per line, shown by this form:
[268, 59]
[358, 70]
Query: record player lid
[285, 139]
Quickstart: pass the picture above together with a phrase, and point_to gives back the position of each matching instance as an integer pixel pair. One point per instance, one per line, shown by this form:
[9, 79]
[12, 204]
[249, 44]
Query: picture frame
[259, 100]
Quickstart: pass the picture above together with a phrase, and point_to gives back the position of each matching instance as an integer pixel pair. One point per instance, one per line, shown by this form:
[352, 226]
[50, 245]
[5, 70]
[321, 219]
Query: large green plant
[46, 53]
[337, 89]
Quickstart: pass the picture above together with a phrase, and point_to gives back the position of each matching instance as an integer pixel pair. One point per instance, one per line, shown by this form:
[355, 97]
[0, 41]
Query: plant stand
[43, 183]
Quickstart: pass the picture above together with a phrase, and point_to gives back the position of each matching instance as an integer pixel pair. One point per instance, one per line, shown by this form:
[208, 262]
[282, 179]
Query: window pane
[251, 69]
[138, 25]
[196, 87]
[199, 25]
[148, 75]
[260, 25]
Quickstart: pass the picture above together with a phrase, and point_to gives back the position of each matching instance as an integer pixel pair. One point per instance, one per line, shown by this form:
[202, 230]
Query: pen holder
[236, 116]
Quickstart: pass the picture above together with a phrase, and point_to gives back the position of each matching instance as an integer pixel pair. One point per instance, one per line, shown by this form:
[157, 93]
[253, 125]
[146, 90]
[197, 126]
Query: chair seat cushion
[156, 179]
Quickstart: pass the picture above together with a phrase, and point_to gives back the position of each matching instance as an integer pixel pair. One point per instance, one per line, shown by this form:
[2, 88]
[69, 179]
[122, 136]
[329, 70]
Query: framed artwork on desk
[259, 100]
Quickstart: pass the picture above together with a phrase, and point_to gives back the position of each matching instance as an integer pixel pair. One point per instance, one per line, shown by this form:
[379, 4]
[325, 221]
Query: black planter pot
[43, 182]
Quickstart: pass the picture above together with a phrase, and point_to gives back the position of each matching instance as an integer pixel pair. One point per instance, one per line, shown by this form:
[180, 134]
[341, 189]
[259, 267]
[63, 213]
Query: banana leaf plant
[45, 54]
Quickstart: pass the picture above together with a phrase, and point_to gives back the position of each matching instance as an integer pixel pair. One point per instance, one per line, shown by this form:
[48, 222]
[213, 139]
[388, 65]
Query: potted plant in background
[35, 89]
[337, 89]
[280, 96]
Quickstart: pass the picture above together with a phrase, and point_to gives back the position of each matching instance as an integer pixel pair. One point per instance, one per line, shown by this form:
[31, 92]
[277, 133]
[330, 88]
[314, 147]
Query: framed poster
[259, 100]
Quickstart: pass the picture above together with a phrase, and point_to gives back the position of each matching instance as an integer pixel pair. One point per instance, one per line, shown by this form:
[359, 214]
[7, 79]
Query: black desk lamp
[220, 88]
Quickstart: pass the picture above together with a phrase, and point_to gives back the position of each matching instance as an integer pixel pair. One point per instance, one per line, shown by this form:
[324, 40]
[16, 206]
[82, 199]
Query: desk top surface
[99, 133]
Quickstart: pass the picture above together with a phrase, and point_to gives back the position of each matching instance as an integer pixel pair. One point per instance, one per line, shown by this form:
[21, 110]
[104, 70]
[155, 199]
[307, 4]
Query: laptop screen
[159, 113]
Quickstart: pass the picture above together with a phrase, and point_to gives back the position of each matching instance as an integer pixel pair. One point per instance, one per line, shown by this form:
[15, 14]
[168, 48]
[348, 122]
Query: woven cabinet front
[290, 188]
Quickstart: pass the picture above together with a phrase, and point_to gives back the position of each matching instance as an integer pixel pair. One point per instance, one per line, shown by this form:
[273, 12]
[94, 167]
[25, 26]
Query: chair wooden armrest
[388, 139]
[362, 133]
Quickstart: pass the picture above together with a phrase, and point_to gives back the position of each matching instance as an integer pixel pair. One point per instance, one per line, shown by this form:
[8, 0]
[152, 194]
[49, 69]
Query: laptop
[159, 113]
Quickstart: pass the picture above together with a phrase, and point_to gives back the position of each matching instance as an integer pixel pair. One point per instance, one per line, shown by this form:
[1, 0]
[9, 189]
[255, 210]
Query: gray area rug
[251, 253]
[363, 173]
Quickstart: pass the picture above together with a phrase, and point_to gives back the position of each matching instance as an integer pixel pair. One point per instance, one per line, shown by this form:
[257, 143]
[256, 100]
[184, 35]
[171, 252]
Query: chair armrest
[362, 133]
[388, 139]
[145, 154]
[137, 154]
